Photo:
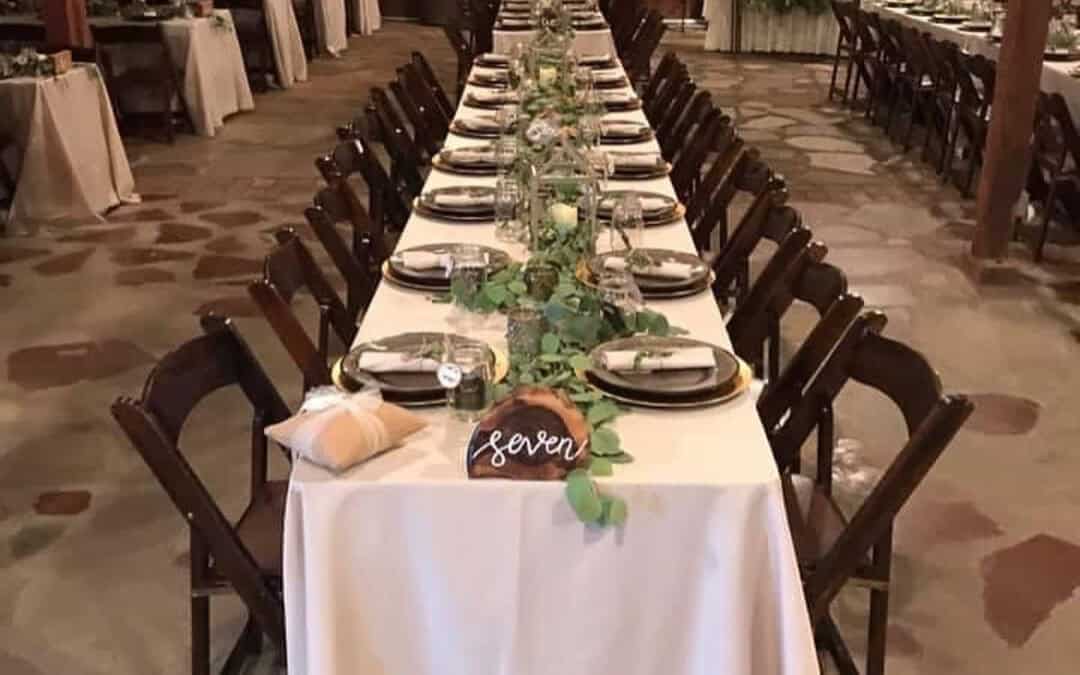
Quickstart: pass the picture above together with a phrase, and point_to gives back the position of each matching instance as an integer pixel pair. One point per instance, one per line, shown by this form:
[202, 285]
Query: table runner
[1055, 75]
[70, 161]
[404, 566]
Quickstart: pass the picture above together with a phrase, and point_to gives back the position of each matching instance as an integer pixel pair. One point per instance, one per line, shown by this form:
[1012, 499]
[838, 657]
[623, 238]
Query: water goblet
[506, 151]
[508, 224]
[627, 223]
[468, 274]
[506, 117]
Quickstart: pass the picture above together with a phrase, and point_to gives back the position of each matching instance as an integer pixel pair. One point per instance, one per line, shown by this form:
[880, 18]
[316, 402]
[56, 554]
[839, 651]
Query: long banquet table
[1055, 75]
[404, 565]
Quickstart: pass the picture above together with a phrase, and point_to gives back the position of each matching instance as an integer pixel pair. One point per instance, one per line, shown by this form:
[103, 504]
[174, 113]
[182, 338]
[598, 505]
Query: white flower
[563, 214]
[547, 75]
[540, 132]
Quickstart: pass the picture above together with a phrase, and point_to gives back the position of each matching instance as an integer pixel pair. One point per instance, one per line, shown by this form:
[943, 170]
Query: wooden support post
[1004, 172]
[65, 24]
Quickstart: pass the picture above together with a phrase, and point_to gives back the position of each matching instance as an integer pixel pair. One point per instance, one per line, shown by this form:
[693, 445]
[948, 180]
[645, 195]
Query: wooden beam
[1004, 172]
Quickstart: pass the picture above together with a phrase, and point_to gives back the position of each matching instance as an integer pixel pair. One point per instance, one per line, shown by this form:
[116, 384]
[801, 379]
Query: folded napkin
[479, 123]
[515, 22]
[608, 75]
[425, 260]
[494, 96]
[472, 156]
[395, 362]
[463, 199]
[355, 428]
[616, 96]
[621, 129]
[636, 161]
[495, 57]
[669, 269]
[668, 359]
[648, 204]
[594, 58]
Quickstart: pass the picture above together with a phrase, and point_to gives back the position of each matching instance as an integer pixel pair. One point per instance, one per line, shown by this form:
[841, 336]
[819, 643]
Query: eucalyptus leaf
[613, 511]
[601, 412]
[496, 293]
[518, 287]
[552, 358]
[580, 362]
[550, 343]
[604, 443]
[581, 493]
[621, 458]
[600, 466]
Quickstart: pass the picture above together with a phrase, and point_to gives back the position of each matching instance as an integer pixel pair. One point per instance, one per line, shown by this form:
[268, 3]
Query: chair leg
[245, 645]
[834, 643]
[835, 69]
[847, 76]
[879, 607]
[1044, 230]
[200, 635]
[973, 163]
[948, 155]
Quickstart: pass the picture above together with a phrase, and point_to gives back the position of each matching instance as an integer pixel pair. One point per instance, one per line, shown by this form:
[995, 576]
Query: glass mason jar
[471, 369]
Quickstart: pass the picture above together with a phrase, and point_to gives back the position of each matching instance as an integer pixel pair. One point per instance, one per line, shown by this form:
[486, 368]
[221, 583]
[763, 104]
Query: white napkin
[645, 160]
[621, 128]
[594, 58]
[479, 123]
[648, 204]
[679, 359]
[425, 260]
[464, 199]
[495, 57]
[494, 96]
[616, 96]
[668, 269]
[472, 156]
[505, 21]
[607, 75]
[395, 362]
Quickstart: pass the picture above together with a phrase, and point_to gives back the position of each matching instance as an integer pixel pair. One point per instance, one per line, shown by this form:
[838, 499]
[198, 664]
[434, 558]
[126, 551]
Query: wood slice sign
[534, 434]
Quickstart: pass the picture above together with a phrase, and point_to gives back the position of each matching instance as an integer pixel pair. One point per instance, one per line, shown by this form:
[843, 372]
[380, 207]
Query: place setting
[613, 132]
[435, 267]
[656, 209]
[667, 372]
[490, 78]
[609, 78]
[490, 100]
[416, 369]
[458, 204]
[476, 126]
[471, 160]
[637, 165]
[619, 101]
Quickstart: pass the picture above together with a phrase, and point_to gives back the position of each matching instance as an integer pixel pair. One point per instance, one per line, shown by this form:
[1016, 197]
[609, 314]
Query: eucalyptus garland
[27, 63]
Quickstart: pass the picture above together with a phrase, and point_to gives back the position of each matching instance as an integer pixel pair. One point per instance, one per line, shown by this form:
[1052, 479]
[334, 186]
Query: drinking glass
[524, 330]
[540, 281]
[583, 79]
[627, 223]
[590, 130]
[618, 289]
[506, 150]
[471, 366]
[468, 274]
[508, 225]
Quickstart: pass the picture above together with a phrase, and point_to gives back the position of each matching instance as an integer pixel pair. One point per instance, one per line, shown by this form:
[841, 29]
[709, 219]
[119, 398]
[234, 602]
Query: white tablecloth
[794, 32]
[69, 161]
[1055, 75]
[330, 20]
[404, 566]
[215, 84]
[368, 16]
[585, 41]
[289, 57]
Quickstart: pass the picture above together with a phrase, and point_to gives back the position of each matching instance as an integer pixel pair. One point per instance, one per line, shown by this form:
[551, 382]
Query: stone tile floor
[92, 555]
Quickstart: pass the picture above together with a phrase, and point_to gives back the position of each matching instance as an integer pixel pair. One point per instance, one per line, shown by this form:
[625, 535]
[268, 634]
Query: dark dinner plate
[624, 172]
[473, 102]
[492, 60]
[402, 387]
[921, 11]
[611, 84]
[444, 161]
[496, 80]
[949, 18]
[651, 217]
[665, 385]
[623, 105]
[436, 279]
[461, 128]
[428, 205]
[514, 27]
[1058, 55]
[644, 134]
[654, 287]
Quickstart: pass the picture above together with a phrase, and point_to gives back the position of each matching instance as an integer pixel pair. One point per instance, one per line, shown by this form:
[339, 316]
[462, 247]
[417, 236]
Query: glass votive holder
[540, 281]
[524, 329]
[508, 224]
[470, 372]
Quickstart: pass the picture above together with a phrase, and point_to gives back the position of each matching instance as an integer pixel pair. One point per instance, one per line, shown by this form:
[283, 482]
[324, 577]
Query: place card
[534, 434]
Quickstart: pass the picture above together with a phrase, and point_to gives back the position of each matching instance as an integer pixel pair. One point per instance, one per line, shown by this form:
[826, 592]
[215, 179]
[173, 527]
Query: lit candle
[563, 214]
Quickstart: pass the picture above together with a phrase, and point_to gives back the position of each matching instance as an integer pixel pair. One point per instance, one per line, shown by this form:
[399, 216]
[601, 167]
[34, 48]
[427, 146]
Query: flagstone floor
[92, 554]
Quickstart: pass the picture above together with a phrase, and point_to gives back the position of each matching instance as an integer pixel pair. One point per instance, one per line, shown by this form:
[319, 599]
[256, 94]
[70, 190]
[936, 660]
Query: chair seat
[816, 521]
[261, 527]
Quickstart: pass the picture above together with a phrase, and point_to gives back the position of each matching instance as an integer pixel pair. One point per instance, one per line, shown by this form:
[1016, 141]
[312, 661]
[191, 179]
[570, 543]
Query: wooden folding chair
[668, 62]
[388, 207]
[429, 77]
[665, 123]
[244, 558]
[687, 161]
[845, 45]
[287, 269]
[833, 550]
[359, 266]
[720, 175]
[465, 55]
[405, 157]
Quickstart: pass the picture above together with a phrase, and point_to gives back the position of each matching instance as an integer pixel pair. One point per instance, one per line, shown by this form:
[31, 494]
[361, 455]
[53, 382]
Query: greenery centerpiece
[27, 63]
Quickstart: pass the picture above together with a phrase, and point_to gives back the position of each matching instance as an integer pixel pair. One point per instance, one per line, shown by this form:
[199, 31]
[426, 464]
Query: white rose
[547, 76]
[563, 214]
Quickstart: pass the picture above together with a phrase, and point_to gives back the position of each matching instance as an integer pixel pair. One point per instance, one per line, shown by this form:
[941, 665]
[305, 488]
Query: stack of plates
[461, 204]
[490, 100]
[618, 101]
[491, 79]
[638, 165]
[411, 361]
[670, 274]
[656, 209]
[433, 273]
[472, 160]
[667, 372]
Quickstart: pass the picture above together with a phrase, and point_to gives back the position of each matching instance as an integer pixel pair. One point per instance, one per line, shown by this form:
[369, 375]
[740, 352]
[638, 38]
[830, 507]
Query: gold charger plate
[745, 377]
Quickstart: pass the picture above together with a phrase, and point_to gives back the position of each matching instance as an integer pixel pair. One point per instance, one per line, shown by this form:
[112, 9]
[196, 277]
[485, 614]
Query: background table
[285, 41]
[71, 162]
[1055, 75]
[368, 16]
[331, 28]
[585, 41]
[403, 565]
[794, 32]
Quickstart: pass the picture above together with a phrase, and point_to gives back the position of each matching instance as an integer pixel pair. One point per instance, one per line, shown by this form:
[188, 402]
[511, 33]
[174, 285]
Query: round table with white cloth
[66, 154]
[794, 32]
[330, 26]
[368, 16]
[289, 58]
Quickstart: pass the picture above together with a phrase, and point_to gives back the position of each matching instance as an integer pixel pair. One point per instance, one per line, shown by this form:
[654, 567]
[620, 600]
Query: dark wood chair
[357, 266]
[426, 102]
[289, 268]
[916, 87]
[1056, 154]
[464, 53]
[659, 105]
[687, 162]
[669, 117]
[253, 33]
[720, 173]
[638, 59]
[388, 205]
[482, 26]
[421, 64]
[668, 62]
[370, 241]
[971, 121]
[155, 80]
[425, 138]
[833, 550]
[244, 557]
[304, 10]
[405, 157]
[748, 174]
[15, 36]
[846, 43]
